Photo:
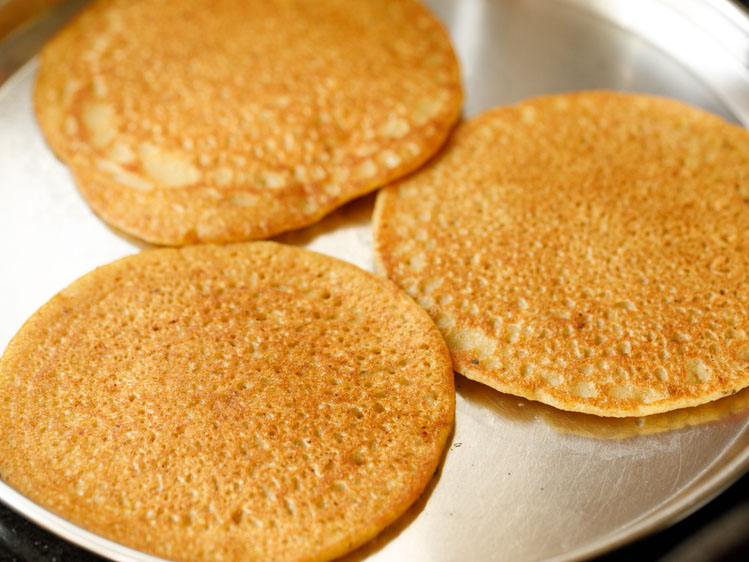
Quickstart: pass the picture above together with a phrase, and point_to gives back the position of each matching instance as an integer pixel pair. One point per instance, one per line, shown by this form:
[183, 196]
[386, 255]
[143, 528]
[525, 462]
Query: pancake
[202, 121]
[587, 250]
[244, 402]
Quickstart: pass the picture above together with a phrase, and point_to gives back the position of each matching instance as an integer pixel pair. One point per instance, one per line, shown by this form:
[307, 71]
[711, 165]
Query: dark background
[718, 532]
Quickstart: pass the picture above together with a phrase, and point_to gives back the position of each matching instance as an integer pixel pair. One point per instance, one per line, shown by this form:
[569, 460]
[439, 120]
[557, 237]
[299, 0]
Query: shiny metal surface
[520, 481]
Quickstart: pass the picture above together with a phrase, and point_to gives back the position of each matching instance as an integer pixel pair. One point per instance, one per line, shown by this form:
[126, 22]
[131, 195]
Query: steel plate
[520, 481]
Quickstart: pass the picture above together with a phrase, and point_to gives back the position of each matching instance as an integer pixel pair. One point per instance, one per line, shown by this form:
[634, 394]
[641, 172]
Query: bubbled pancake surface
[587, 250]
[243, 402]
[204, 121]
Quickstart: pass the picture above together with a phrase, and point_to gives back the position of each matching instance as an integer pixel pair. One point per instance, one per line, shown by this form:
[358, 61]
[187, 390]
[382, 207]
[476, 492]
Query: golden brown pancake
[588, 250]
[203, 121]
[243, 402]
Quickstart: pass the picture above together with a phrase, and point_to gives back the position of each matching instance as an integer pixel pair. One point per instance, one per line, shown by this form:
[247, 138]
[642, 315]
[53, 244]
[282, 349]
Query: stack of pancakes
[240, 120]
[259, 401]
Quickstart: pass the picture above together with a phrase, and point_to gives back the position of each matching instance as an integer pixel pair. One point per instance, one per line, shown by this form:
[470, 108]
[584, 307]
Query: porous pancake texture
[241, 402]
[588, 250]
[216, 121]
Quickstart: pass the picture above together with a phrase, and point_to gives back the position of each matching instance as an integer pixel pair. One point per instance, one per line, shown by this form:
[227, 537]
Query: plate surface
[521, 481]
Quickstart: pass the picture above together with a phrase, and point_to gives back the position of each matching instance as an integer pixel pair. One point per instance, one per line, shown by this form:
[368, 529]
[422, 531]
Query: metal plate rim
[649, 522]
